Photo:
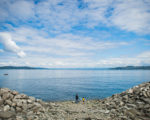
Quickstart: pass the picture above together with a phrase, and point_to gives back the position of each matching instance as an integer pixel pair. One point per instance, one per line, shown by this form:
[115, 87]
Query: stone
[15, 92]
[1, 101]
[30, 106]
[144, 93]
[107, 111]
[30, 113]
[131, 105]
[29, 101]
[146, 100]
[6, 108]
[6, 115]
[4, 90]
[24, 106]
[19, 103]
[14, 104]
[5, 96]
[134, 112]
[8, 102]
[21, 96]
[37, 104]
[130, 91]
[18, 109]
[11, 96]
[19, 118]
[32, 99]
[12, 109]
[31, 117]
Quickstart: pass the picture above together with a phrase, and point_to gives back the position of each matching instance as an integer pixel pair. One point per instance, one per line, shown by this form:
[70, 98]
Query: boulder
[8, 102]
[21, 96]
[5, 95]
[1, 101]
[4, 90]
[15, 92]
[18, 109]
[6, 115]
[6, 108]
[32, 99]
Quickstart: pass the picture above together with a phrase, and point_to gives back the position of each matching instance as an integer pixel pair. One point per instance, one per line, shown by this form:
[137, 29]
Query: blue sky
[74, 33]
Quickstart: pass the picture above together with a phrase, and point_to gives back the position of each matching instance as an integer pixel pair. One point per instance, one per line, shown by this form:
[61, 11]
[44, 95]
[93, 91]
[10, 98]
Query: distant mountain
[26, 67]
[132, 68]
[116, 68]
[20, 67]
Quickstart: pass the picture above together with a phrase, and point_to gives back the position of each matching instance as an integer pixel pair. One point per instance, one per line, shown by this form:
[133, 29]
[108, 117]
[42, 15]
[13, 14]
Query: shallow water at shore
[60, 85]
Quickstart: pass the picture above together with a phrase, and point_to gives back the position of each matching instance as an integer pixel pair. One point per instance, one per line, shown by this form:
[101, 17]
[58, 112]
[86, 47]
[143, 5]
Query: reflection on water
[64, 84]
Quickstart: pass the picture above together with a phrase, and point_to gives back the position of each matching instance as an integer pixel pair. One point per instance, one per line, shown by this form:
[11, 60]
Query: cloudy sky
[74, 33]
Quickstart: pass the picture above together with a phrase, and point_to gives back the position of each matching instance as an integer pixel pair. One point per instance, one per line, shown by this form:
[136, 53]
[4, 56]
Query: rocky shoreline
[132, 104]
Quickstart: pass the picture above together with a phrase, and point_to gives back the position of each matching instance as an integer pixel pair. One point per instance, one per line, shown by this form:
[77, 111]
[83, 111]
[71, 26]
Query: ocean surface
[60, 85]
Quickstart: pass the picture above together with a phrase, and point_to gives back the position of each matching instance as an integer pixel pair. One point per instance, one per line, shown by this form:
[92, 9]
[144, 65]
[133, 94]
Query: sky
[74, 33]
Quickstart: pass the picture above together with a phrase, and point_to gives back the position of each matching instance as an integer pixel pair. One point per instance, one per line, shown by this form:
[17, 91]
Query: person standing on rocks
[83, 99]
[77, 98]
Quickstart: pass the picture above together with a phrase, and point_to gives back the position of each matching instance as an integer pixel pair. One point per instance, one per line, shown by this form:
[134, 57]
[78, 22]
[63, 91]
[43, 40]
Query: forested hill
[132, 68]
[20, 67]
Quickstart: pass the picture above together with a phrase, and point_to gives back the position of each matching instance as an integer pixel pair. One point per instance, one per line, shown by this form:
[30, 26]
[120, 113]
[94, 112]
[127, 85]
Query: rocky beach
[132, 104]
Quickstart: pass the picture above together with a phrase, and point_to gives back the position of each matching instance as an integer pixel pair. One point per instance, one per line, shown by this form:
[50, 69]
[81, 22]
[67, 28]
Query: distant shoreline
[40, 68]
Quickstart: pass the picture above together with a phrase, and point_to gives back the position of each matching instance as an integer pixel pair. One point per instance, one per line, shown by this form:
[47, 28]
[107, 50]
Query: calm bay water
[59, 85]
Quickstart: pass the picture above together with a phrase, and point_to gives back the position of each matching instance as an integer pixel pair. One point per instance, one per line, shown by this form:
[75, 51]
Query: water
[59, 85]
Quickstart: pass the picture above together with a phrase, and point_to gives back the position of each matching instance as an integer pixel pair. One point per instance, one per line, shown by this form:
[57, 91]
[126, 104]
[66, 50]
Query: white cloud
[141, 59]
[132, 15]
[9, 45]
[50, 38]
[59, 15]
[145, 55]
[38, 42]
[16, 10]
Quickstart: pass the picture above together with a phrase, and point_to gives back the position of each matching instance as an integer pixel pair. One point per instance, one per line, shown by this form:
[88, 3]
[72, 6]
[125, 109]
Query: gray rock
[4, 90]
[18, 109]
[21, 96]
[31, 117]
[14, 104]
[32, 99]
[146, 100]
[6, 115]
[6, 108]
[19, 118]
[12, 109]
[130, 91]
[5, 96]
[19, 103]
[131, 105]
[8, 102]
[25, 106]
[1, 101]
[15, 92]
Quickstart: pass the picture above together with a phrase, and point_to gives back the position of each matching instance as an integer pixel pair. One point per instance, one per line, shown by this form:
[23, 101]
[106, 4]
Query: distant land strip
[115, 68]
